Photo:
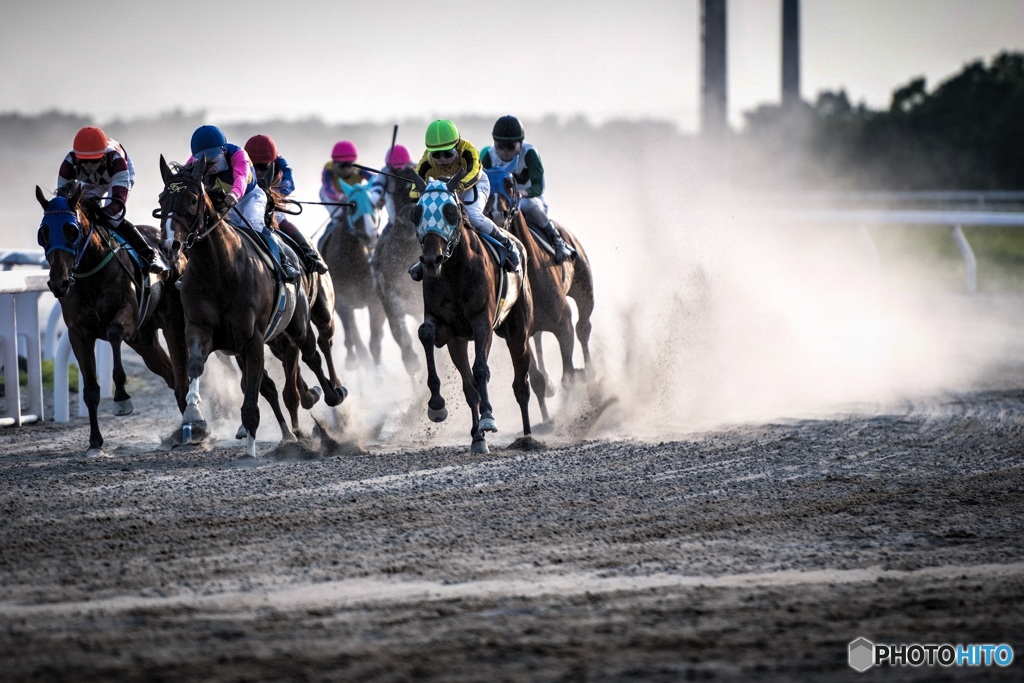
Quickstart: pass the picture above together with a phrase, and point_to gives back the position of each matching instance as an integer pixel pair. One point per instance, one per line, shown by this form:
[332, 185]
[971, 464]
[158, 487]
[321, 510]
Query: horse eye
[450, 213]
[43, 236]
[71, 233]
[417, 214]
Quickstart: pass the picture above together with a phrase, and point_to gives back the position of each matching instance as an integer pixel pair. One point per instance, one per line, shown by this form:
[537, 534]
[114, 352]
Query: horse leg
[153, 355]
[291, 390]
[522, 361]
[268, 390]
[395, 312]
[325, 342]
[122, 401]
[539, 374]
[481, 372]
[566, 342]
[458, 349]
[193, 424]
[582, 292]
[85, 353]
[435, 406]
[376, 311]
[252, 378]
[355, 351]
[538, 380]
[334, 393]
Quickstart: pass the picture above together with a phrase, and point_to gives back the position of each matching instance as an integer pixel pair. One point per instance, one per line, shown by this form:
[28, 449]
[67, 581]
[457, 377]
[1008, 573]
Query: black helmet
[507, 128]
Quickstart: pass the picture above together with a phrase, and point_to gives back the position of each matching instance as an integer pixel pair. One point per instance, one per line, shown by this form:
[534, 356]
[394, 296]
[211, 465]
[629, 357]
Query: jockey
[274, 173]
[446, 155]
[104, 169]
[229, 169]
[529, 176]
[382, 189]
[340, 168]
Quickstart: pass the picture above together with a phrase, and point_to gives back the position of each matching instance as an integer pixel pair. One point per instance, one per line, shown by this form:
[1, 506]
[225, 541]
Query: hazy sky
[382, 61]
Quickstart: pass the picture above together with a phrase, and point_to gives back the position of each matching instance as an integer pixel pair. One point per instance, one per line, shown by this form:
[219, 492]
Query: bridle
[198, 226]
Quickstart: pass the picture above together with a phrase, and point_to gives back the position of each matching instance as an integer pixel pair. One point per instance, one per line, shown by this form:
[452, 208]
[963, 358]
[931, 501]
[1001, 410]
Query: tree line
[965, 134]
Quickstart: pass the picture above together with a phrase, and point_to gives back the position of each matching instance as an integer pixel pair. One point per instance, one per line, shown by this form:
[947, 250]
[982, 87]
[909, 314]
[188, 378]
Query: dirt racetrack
[753, 551]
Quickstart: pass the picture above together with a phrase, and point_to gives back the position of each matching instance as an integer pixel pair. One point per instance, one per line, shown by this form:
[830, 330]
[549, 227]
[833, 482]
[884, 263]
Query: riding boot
[288, 273]
[416, 271]
[562, 251]
[151, 261]
[314, 262]
[512, 261]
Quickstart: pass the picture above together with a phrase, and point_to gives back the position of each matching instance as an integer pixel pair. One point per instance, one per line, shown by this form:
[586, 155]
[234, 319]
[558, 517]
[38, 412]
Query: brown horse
[105, 294]
[551, 283]
[233, 304]
[346, 250]
[467, 297]
[397, 248]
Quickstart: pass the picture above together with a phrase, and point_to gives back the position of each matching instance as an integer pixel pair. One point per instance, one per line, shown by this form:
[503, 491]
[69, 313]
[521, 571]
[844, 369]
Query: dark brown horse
[467, 297]
[104, 294]
[397, 248]
[346, 249]
[232, 303]
[551, 283]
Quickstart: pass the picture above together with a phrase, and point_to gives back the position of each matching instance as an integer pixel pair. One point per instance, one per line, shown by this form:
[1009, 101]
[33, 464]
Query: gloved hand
[230, 200]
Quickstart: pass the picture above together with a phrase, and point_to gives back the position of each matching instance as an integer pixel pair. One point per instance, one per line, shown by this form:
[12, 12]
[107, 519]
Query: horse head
[363, 217]
[438, 219]
[186, 212]
[503, 202]
[62, 234]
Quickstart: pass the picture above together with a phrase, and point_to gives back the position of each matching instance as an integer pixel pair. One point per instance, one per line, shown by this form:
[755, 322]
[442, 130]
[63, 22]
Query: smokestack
[714, 109]
[790, 53]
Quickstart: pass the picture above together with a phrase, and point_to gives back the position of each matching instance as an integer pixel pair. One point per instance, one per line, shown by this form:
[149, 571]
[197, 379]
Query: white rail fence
[20, 289]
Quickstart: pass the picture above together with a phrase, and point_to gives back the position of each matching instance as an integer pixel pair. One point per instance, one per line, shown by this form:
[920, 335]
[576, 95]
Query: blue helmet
[206, 137]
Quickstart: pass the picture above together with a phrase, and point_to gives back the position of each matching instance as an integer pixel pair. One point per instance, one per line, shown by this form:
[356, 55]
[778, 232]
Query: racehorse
[105, 294]
[551, 283]
[232, 303]
[397, 248]
[346, 248]
[468, 297]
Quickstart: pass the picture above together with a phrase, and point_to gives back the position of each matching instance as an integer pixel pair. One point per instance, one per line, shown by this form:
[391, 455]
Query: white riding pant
[474, 200]
[253, 206]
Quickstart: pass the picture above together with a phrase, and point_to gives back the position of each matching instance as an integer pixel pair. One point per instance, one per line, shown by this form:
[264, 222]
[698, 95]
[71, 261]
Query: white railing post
[970, 263]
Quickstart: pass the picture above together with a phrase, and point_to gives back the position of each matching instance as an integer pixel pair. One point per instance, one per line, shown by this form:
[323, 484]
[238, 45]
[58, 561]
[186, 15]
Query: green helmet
[441, 135]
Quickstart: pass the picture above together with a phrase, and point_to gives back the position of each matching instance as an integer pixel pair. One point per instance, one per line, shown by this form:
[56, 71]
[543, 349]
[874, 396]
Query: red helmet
[261, 149]
[90, 143]
[397, 156]
[344, 151]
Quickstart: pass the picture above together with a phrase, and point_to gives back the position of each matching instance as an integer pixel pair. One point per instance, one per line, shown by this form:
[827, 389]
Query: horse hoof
[93, 453]
[192, 414]
[487, 424]
[479, 447]
[124, 407]
[241, 433]
[342, 392]
[192, 432]
[437, 415]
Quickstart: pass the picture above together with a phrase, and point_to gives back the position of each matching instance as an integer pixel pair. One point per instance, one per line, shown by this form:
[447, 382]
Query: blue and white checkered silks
[433, 200]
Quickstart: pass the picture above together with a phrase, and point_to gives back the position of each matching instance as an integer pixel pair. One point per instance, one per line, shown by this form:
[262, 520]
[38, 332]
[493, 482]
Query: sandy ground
[747, 552]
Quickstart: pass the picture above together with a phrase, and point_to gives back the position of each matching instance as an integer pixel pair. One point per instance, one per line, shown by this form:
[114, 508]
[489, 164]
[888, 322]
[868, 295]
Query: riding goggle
[444, 154]
[510, 145]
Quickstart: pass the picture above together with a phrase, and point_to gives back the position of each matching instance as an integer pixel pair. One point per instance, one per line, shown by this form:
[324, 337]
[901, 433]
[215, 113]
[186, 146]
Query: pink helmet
[397, 156]
[344, 151]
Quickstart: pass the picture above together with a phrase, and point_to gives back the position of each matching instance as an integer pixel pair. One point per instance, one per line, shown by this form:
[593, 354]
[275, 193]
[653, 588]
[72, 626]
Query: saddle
[508, 283]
